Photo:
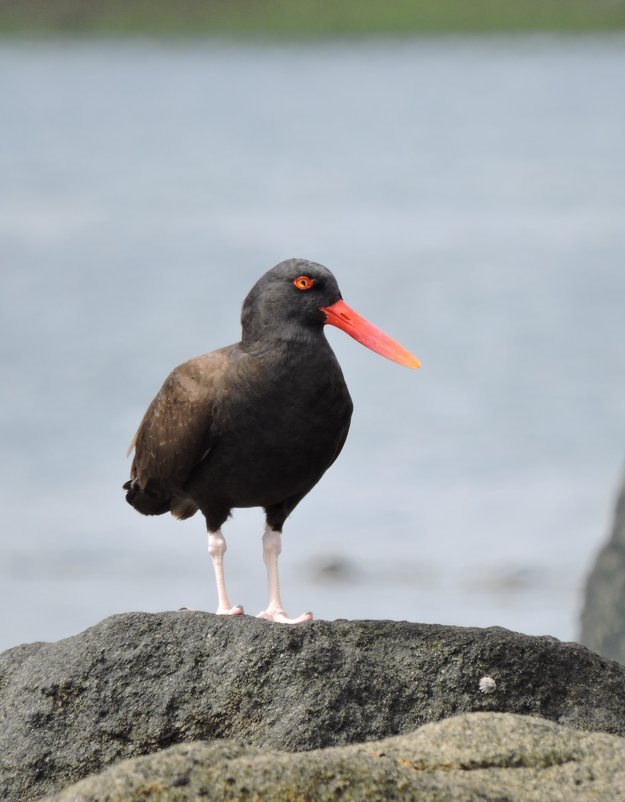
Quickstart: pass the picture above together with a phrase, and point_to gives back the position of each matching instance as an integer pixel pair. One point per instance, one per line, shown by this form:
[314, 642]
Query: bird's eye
[303, 282]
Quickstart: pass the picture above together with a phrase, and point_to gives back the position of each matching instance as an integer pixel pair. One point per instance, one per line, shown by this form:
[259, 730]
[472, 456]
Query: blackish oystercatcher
[258, 423]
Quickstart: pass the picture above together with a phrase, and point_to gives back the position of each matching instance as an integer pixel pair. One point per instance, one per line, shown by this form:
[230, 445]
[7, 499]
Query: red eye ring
[303, 282]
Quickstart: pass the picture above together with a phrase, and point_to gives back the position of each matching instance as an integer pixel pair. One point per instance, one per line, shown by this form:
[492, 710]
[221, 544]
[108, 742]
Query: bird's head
[299, 296]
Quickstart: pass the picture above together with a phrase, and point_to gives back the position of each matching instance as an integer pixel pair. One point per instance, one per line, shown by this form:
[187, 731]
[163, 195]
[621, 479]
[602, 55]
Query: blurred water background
[469, 194]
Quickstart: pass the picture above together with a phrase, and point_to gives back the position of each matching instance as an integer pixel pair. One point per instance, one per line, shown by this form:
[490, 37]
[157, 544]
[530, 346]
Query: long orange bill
[340, 315]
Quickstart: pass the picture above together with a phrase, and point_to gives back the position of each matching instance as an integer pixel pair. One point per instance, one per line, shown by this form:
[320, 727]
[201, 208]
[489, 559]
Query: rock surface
[603, 617]
[479, 756]
[138, 682]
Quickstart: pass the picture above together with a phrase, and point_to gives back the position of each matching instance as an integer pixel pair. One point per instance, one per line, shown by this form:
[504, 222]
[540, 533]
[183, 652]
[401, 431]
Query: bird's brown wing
[176, 434]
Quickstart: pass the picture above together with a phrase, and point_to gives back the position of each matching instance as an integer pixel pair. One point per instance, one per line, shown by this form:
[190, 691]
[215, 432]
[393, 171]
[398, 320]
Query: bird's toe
[281, 617]
[236, 610]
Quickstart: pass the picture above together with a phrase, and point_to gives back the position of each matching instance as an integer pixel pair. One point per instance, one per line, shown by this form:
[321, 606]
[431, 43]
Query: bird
[256, 423]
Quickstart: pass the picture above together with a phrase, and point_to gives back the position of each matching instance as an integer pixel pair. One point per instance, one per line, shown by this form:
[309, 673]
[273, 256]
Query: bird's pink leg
[272, 546]
[217, 548]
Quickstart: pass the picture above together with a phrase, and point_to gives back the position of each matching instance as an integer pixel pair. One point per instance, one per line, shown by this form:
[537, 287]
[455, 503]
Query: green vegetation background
[308, 17]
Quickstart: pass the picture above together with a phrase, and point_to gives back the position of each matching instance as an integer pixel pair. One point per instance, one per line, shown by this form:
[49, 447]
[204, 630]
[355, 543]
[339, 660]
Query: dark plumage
[254, 424]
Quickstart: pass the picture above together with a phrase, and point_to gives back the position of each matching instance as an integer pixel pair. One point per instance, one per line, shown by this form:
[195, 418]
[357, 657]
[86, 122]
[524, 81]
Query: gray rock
[137, 683]
[479, 756]
[603, 616]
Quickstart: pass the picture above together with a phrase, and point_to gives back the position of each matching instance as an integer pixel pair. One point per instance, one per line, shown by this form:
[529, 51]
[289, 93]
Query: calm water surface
[469, 195]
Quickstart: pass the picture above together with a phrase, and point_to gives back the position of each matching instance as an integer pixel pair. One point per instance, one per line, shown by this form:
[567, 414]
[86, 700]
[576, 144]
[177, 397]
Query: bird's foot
[279, 616]
[236, 610]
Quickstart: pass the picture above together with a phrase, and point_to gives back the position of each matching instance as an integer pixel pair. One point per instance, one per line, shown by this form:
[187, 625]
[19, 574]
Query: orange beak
[340, 315]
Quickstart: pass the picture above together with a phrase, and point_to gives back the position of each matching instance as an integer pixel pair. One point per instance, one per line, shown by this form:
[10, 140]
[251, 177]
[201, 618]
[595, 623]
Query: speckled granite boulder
[478, 756]
[603, 617]
[138, 682]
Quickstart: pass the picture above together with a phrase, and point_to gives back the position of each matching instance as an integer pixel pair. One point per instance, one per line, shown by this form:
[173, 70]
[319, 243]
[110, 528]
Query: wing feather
[176, 432]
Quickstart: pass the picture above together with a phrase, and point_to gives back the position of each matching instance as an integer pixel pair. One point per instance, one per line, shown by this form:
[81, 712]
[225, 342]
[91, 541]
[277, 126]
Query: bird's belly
[273, 456]
[262, 473]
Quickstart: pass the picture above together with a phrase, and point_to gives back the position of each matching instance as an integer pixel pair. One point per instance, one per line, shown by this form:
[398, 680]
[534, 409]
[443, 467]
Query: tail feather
[143, 501]
[148, 502]
[182, 507]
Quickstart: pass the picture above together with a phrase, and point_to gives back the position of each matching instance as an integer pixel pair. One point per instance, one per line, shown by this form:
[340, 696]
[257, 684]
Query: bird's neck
[287, 336]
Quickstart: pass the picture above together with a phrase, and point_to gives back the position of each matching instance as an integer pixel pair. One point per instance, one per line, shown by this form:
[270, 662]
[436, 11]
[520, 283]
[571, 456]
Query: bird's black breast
[282, 424]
